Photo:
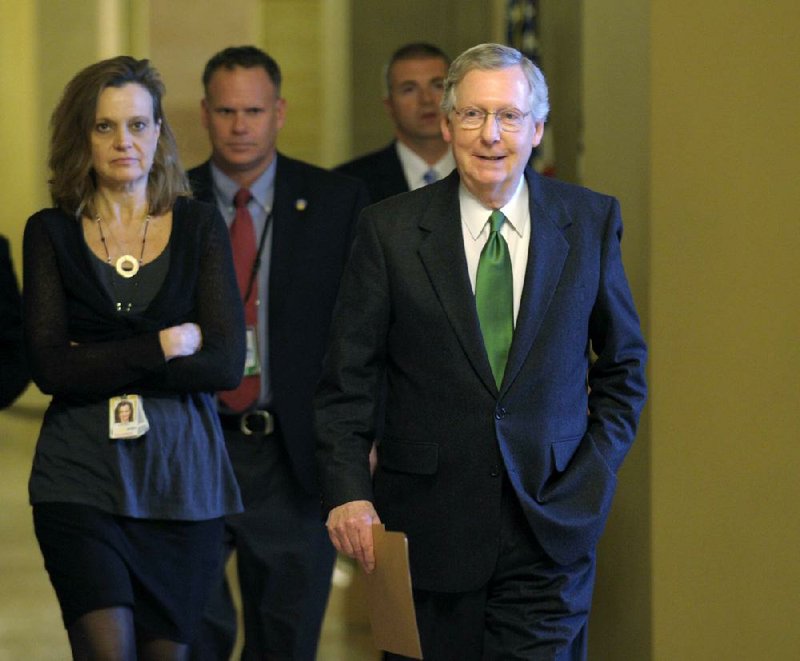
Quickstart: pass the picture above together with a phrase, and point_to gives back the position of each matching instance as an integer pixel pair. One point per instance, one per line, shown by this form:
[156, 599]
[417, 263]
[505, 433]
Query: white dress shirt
[415, 167]
[515, 230]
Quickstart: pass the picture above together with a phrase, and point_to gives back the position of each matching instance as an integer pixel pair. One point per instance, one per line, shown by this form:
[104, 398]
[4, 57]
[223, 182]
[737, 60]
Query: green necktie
[494, 297]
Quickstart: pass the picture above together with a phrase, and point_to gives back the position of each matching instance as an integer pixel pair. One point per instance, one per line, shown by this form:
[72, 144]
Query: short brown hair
[73, 182]
[247, 57]
[418, 50]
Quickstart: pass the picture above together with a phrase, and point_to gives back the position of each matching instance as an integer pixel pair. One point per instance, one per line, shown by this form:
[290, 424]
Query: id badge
[252, 362]
[126, 417]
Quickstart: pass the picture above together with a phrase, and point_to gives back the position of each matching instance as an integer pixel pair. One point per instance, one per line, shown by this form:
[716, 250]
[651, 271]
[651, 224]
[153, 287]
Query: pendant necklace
[127, 265]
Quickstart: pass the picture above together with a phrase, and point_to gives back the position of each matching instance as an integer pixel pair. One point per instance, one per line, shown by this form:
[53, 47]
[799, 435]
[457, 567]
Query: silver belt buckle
[266, 416]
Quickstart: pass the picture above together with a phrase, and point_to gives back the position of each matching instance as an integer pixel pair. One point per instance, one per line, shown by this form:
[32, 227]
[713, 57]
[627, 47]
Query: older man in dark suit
[298, 221]
[414, 79]
[481, 300]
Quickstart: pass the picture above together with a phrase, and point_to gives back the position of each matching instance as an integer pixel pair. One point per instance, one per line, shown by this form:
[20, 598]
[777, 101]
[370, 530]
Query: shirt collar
[262, 189]
[476, 216]
[415, 166]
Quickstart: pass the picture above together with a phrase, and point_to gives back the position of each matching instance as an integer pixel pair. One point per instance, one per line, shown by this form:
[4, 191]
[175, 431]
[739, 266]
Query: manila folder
[391, 606]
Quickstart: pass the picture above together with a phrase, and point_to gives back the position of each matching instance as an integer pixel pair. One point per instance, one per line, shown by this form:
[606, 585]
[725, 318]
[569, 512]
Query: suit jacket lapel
[442, 255]
[395, 179]
[202, 183]
[546, 256]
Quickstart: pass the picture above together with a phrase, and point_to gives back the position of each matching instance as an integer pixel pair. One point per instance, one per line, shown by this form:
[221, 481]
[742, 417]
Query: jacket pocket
[416, 458]
[563, 451]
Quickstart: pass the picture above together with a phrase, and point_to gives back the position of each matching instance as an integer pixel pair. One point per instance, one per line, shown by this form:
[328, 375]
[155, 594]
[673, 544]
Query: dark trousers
[284, 560]
[531, 608]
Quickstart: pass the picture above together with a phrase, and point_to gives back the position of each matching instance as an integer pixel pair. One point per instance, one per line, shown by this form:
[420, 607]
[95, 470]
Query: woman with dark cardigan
[129, 294]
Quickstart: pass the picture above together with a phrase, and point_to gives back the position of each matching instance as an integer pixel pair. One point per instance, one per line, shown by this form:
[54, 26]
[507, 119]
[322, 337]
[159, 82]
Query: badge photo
[126, 418]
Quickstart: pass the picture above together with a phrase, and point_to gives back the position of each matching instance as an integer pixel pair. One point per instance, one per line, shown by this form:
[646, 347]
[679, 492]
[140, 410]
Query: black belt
[252, 423]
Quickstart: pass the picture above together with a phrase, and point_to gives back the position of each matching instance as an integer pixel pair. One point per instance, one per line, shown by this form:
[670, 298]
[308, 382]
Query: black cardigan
[80, 347]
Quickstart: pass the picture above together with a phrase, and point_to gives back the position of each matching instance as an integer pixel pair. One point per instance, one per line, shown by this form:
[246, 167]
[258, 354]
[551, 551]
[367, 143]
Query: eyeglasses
[509, 119]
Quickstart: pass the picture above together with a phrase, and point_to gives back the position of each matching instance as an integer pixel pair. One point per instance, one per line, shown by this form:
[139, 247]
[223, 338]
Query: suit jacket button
[495, 472]
[500, 413]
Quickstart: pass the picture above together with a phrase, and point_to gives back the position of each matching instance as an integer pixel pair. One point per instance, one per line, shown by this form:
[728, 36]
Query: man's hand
[350, 530]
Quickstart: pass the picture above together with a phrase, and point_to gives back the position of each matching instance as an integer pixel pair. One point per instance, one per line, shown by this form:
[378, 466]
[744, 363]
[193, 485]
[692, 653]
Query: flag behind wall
[522, 32]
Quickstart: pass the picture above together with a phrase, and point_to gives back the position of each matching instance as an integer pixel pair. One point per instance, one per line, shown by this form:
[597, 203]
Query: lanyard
[257, 260]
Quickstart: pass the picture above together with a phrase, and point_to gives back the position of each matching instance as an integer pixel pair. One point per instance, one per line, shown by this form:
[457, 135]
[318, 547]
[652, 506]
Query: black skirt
[162, 570]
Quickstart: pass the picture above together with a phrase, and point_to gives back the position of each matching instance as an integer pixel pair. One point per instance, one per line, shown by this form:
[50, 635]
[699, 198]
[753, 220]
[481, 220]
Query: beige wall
[615, 160]
[561, 53]
[725, 326]
[18, 157]
[692, 119]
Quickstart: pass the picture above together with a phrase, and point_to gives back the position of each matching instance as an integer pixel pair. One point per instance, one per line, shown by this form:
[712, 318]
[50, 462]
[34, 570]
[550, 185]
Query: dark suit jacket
[381, 170]
[310, 244]
[14, 373]
[406, 307]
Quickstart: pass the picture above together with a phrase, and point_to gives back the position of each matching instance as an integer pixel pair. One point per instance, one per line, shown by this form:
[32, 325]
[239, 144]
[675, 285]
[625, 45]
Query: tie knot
[497, 219]
[430, 176]
[242, 197]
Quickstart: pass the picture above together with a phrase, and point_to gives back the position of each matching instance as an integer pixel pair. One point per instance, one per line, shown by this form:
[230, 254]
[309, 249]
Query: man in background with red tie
[291, 225]
[413, 83]
[479, 301]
